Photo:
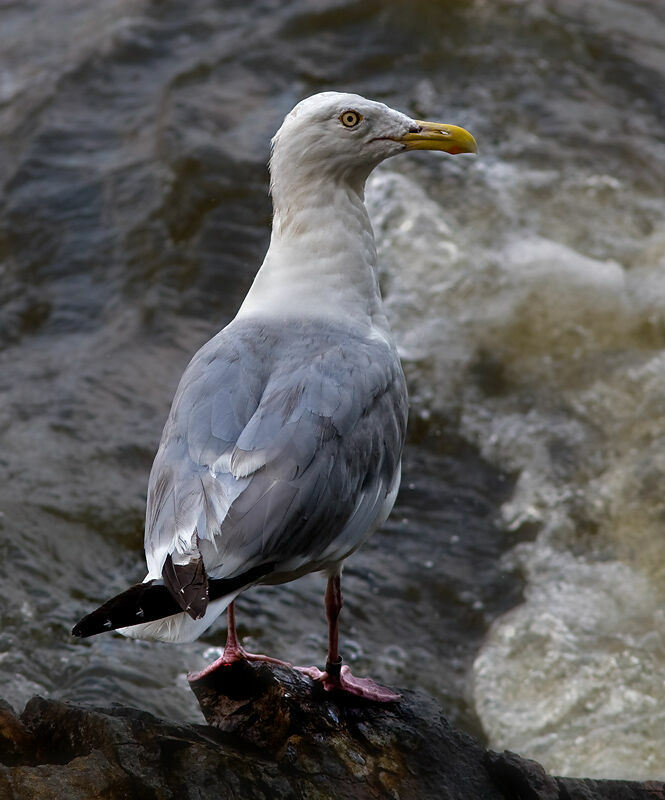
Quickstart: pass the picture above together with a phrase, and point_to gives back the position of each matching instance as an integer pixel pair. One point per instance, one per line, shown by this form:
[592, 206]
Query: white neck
[321, 262]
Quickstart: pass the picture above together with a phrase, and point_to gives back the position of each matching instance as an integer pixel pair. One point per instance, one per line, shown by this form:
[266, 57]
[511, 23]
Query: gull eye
[350, 118]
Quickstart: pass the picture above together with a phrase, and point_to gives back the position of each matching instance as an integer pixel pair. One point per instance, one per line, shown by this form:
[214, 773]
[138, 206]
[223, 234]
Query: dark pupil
[350, 118]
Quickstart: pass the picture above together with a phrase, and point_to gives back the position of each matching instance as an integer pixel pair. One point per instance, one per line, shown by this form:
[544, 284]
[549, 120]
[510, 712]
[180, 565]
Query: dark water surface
[133, 216]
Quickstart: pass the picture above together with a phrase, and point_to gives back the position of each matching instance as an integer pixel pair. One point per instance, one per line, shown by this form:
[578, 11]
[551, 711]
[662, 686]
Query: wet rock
[523, 779]
[15, 741]
[271, 733]
[338, 746]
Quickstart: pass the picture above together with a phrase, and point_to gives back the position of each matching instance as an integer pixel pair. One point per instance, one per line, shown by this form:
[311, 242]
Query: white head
[322, 254]
[344, 136]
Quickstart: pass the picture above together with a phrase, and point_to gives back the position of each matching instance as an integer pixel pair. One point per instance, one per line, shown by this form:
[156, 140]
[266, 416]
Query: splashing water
[552, 362]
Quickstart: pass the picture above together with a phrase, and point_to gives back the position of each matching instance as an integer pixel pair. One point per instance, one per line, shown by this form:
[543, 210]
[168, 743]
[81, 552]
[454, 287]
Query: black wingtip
[93, 623]
[143, 602]
[150, 601]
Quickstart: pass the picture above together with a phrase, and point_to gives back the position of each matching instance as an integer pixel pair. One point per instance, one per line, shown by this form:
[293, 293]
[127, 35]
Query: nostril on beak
[415, 129]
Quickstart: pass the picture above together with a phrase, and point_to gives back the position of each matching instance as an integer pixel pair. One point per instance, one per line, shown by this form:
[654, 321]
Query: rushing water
[521, 578]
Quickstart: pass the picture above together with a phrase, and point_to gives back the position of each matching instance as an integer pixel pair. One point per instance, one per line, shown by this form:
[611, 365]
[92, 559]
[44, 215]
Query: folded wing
[282, 446]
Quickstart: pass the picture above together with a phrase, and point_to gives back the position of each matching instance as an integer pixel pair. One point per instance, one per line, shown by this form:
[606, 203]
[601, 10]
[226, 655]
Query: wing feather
[282, 446]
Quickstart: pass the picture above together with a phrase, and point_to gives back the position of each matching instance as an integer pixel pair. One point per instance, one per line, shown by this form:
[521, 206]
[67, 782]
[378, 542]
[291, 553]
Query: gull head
[344, 136]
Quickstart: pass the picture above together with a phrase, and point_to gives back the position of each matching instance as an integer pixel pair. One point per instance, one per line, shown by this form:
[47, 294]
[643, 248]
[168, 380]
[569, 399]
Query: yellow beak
[437, 136]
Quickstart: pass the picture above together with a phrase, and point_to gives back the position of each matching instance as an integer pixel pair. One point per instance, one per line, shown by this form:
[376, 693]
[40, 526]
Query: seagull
[281, 454]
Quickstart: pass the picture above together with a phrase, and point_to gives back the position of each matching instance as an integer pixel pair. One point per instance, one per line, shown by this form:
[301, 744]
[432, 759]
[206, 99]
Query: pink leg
[336, 676]
[233, 651]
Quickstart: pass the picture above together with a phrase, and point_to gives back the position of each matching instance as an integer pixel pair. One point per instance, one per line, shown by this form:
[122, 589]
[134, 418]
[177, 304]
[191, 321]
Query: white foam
[574, 676]
[552, 361]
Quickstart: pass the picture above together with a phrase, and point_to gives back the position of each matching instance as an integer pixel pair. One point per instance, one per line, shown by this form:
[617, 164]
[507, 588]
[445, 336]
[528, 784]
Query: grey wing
[285, 457]
[187, 498]
[324, 449]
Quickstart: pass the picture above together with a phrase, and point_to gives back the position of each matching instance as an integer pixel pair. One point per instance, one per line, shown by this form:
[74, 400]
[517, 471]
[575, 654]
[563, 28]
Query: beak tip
[464, 151]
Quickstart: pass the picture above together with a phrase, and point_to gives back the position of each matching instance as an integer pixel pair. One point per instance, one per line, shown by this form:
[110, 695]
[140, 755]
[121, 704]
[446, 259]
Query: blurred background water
[521, 577]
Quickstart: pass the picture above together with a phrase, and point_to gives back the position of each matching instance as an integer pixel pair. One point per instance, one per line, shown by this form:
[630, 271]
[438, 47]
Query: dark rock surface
[272, 733]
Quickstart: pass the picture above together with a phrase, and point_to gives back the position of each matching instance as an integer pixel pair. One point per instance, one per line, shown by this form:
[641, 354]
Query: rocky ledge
[271, 733]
